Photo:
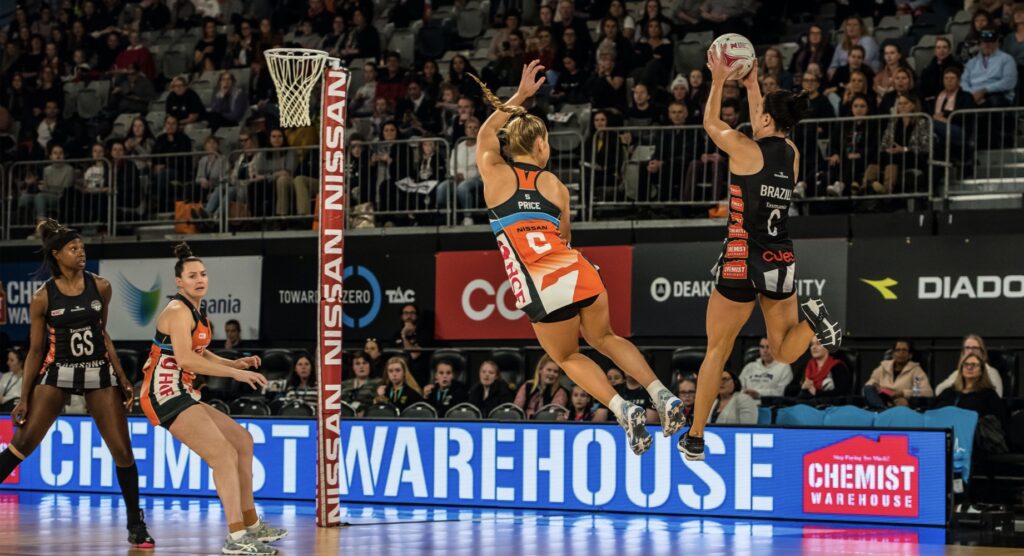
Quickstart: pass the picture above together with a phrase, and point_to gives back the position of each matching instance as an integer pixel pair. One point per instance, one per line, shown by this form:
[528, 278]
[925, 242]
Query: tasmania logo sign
[860, 476]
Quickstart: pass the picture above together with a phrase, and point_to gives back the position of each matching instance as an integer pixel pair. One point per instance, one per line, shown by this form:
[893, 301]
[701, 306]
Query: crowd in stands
[105, 80]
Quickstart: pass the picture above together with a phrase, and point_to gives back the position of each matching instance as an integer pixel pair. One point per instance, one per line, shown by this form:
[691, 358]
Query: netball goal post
[296, 72]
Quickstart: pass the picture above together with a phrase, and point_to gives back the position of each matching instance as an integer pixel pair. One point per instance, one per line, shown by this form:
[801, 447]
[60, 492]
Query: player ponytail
[786, 108]
[522, 128]
[184, 255]
[54, 236]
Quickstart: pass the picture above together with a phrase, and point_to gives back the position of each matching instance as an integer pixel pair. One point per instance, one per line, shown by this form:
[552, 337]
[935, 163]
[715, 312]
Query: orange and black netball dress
[550, 281]
[167, 388]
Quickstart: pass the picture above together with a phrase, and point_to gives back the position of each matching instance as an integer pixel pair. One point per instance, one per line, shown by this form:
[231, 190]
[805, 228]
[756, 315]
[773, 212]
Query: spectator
[375, 351]
[686, 13]
[211, 175]
[45, 196]
[242, 46]
[974, 345]
[573, 84]
[228, 105]
[612, 42]
[855, 34]
[724, 17]
[233, 336]
[608, 89]
[806, 136]
[543, 389]
[971, 43]
[127, 181]
[822, 373]
[212, 45]
[430, 78]
[501, 36]
[582, 407]
[816, 48]
[698, 96]
[893, 59]
[183, 103]
[445, 392]
[565, 18]
[687, 392]
[10, 382]
[615, 377]
[49, 89]
[399, 387]
[361, 103]
[765, 376]
[705, 178]
[667, 164]
[541, 47]
[652, 12]
[392, 162]
[617, 10]
[906, 142]
[932, 76]
[360, 390]
[1013, 42]
[643, 112]
[306, 36]
[139, 142]
[948, 100]
[491, 390]
[572, 47]
[173, 168]
[301, 382]
[914, 7]
[856, 86]
[506, 69]
[132, 92]
[903, 84]
[156, 16]
[652, 58]
[320, 17]
[391, 82]
[680, 89]
[458, 71]
[268, 37]
[277, 164]
[972, 389]
[772, 66]
[991, 76]
[895, 381]
[107, 53]
[605, 152]
[853, 158]
[415, 112]
[382, 114]
[51, 129]
[363, 40]
[732, 407]
[89, 197]
[633, 392]
[411, 337]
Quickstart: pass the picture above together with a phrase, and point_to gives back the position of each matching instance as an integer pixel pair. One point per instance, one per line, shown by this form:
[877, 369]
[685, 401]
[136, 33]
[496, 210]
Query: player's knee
[244, 444]
[123, 457]
[226, 458]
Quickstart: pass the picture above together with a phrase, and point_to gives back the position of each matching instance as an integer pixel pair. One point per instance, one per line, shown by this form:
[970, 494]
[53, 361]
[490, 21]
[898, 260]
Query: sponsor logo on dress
[57, 312]
[735, 203]
[736, 249]
[737, 232]
[734, 270]
[96, 305]
[736, 190]
[77, 309]
[779, 256]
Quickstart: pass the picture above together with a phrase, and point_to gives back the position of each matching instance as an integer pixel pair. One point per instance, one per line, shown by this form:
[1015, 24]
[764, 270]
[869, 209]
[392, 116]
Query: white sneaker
[467, 221]
[836, 189]
[800, 190]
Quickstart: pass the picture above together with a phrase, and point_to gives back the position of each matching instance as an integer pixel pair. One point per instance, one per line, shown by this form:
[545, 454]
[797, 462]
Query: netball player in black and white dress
[71, 353]
[757, 261]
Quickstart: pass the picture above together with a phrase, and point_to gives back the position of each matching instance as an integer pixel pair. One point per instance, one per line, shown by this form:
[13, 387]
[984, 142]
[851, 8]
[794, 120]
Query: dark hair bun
[48, 228]
[182, 251]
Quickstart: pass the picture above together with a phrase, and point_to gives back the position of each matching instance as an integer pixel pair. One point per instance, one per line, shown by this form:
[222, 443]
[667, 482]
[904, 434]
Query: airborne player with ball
[757, 261]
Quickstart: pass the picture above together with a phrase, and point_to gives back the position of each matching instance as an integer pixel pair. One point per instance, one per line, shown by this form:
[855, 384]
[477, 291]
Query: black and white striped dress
[77, 356]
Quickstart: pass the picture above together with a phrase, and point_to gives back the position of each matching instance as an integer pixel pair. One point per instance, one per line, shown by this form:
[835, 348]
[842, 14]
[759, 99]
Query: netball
[738, 52]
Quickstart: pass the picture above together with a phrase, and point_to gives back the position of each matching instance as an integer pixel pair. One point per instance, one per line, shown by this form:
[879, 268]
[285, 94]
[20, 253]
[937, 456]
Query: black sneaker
[828, 331]
[692, 447]
[138, 536]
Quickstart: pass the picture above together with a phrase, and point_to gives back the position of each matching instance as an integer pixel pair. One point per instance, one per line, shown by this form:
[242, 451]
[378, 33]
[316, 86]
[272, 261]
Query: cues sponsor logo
[860, 476]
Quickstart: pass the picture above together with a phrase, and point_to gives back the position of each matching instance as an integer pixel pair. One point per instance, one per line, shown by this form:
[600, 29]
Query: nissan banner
[673, 281]
[936, 287]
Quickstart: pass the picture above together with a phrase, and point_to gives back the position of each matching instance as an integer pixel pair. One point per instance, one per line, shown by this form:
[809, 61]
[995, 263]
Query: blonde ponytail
[494, 101]
[522, 128]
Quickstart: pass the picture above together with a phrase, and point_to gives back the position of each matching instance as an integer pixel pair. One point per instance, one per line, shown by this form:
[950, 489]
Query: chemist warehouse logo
[859, 476]
[956, 287]
[363, 296]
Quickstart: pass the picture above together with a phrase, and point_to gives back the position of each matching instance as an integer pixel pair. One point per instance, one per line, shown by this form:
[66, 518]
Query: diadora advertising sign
[19, 282]
[73, 457]
[480, 303]
[936, 286]
[142, 288]
[822, 474]
[673, 281]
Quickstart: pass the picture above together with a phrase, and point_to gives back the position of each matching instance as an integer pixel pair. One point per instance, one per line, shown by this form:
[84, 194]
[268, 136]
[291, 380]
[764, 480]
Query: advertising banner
[143, 286]
[672, 283]
[20, 281]
[892, 477]
[936, 287]
[74, 458]
[377, 284]
[479, 305]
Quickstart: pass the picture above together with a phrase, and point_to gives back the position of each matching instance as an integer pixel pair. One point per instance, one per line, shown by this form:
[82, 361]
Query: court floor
[87, 524]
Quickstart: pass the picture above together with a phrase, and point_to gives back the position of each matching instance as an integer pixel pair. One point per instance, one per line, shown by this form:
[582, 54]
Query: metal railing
[398, 182]
[984, 152]
[267, 187]
[76, 191]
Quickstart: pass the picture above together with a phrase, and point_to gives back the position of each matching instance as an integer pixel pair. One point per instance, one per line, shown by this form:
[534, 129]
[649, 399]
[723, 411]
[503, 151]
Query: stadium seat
[751, 354]
[464, 411]
[764, 416]
[277, 364]
[689, 56]
[800, 415]
[1005, 362]
[219, 405]
[511, 365]
[176, 61]
[687, 360]
[250, 406]
[198, 136]
[963, 422]
[123, 124]
[297, 408]
[848, 416]
[420, 410]
[471, 23]
[347, 410]
[507, 412]
[88, 103]
[381, 410]
[551, 412]
[130, 363]
[221, 387]
[456, 358]
[403, 42]
[899, 418]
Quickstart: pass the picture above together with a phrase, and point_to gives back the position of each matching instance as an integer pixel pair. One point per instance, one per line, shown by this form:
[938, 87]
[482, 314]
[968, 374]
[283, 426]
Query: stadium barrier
[983, 152]
[268, 185]
[821, 474]
[79, 195]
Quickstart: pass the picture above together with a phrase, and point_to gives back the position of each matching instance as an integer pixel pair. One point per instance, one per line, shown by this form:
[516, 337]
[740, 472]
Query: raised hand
[529, 84]
[750, 81]
[720, 69]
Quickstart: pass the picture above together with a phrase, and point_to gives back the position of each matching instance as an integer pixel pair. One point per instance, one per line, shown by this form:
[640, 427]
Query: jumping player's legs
[561, 341]
[724, 321]
[46, 404]
[597, 331]
[787, 336]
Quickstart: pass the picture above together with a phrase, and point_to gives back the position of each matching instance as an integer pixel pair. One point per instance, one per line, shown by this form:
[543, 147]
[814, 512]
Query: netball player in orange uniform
[69, 317]
[557, 288]
[179, 353]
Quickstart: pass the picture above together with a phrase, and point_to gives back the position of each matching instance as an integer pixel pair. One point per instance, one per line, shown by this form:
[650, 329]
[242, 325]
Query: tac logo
[141, 304]
[362, 289]
[884, 287]
[860, 476]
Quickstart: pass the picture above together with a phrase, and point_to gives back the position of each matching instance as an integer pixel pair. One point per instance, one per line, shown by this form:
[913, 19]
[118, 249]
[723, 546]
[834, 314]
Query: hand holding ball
[736, 53]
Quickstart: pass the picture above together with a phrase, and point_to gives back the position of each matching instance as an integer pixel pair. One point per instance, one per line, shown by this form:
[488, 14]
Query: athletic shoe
[692, 447]
[266, 533]
[800, 191]
[828, 332]
[670, 412]
[836, 189]
[248, 545]
[138, 536]
[634, 419]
